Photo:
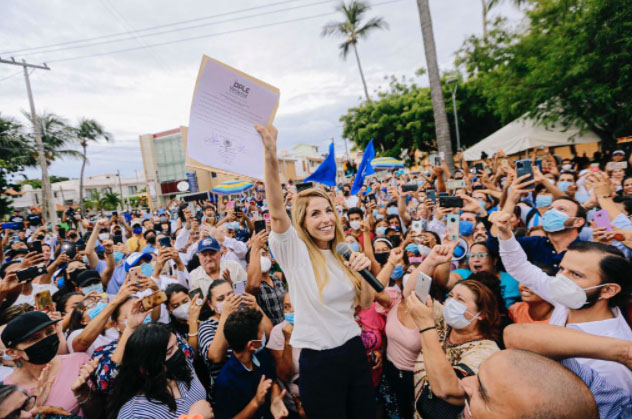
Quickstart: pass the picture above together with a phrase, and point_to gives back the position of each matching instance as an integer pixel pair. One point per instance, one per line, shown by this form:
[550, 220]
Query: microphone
[344, 250]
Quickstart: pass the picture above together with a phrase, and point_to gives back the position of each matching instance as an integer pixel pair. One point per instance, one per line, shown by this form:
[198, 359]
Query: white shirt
[30, 299]
[235, 250]
[199, 278]
[318, 324]
[517, 265]
[101, 340]
[352, 201]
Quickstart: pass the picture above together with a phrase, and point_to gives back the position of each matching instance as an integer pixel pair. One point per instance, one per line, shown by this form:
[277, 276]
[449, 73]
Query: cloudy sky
[147, 88]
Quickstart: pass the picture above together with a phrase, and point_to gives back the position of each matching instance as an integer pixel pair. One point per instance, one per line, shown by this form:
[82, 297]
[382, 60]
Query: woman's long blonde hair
[299, 212]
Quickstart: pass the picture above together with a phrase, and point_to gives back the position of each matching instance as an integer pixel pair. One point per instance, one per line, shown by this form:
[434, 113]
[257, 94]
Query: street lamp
[453, 81]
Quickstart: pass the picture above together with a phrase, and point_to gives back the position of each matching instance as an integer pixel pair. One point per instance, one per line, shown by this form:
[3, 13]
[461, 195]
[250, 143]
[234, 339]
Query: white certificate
[227, 103]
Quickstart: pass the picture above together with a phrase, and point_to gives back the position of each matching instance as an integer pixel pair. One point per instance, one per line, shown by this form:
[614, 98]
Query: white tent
[523, 134]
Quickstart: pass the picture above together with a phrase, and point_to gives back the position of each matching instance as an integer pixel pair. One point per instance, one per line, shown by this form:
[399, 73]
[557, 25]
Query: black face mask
[381, 258]
[347, 193]
[177, 366]
[72, 236]
[43, 351]
[151, 240]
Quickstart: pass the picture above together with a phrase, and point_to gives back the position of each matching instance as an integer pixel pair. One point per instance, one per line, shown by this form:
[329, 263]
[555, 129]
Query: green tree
[88, 131]
[12, 158]
[571, 66]
[109, 201]
[352, 29]
[488, 5]
[97, 198]
[57, 137]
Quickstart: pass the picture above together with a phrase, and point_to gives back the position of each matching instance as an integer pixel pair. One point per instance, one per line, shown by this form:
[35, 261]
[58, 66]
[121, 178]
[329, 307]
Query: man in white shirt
[593, 280]
[212, 266]
[350, 200]
[235, 250]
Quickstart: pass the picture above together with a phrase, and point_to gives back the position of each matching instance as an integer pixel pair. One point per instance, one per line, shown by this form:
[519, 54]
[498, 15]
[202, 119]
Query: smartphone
[451, 202]
[303, 186]
[459, 183]
[136, 273]
[69, 248]
[153, 300]
[165, 241]
[594, 167]
[417, 226]
[523, 167]
[260, 225]
[44, 301]
[117, 238]
[238, 209]
[409, 187]
[61, 233]
[230, 204]
[35, 246]
[30, 273]
[538, 164]
[452, 227]
[615, 165]
[422, 286]
[432, 195]
[602, 219]
[239, 287]
[371, 197]
[437, 161]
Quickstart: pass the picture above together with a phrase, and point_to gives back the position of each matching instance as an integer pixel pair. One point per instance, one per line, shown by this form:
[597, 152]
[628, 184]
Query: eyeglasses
[478, 255]
[28, 404]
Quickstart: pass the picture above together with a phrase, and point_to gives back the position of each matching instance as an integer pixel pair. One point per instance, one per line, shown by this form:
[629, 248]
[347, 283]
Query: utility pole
[118, 173]
[50, 211]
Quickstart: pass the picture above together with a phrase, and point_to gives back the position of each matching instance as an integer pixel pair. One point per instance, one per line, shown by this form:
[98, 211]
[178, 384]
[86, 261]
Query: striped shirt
[206, 334]
[138, 407]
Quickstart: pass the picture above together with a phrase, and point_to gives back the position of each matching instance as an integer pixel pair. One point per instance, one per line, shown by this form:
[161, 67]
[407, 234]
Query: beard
[592, 297]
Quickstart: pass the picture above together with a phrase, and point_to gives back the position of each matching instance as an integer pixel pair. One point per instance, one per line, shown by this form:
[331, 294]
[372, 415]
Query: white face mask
[424, 250]
[219, 307]
[567, 293]
[182, 311]
[266, 264]
[454, 314]
[104, 236]
[355, 225]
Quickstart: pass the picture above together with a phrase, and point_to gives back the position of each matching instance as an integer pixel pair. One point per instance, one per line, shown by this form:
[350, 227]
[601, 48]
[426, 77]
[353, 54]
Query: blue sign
[192, 179]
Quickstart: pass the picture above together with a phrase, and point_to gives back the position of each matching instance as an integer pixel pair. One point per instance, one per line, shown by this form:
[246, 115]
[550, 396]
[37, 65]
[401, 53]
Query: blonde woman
[325, 291]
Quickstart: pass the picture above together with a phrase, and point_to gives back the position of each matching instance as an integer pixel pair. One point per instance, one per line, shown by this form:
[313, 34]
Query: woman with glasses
[15, 403]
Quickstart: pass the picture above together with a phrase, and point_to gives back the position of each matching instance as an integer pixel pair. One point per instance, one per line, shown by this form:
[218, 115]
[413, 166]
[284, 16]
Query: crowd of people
[505, 295]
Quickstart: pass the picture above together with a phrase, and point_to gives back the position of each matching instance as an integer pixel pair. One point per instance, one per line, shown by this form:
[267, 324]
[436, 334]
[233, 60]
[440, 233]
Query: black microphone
[344, 250]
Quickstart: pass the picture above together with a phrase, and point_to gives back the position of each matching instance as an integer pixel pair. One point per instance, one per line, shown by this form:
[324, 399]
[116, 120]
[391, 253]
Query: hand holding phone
[153, 300]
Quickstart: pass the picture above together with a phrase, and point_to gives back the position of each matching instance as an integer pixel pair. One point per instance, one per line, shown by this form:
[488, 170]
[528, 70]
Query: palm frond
[373, 23]
[344, 49]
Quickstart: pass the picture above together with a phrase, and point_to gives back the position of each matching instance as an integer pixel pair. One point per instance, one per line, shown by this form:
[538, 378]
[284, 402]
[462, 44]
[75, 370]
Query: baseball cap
[209, 243]
[24, 326]
[618, 152]
[86, 277]
[134, 258]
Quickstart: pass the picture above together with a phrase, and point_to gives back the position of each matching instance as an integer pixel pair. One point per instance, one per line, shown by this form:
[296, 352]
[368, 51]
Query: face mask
[151, 240]
[219, 307]
[424, 250]
[553, 220]
[72, 236]
[346, 193]
[563, 185]
[137, 230]
[118, 256]
[103, 236]
[43, 351]
[94, 311]
[263, 344]
[381, 258]
[412, 248]
[466, 227]
[542, 201]
[375, 213]
[176, 362]
[454, 314]
[289, 317]
[404, 280]
[379, 217]
[567, 167]
[182, 311]
[354, 246]
[415, 259]
[391, 210]
[380, 231]
[355, 225]
[94, 287]
[398, 272]
[266, 264]
[147, 269]
[163, 219]
[85, 259]
[567, 293]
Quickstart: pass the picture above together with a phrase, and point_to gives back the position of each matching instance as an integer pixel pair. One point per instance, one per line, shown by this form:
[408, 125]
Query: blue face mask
[466, 227]
[94, 311]
[375, 213]
[85, 259]
[137, 230]
[563, 185]
[398, 272]
[289, 317]
[380, 231]
[147, 319]
[379, 217]
[355, 246]
[118, 256]
[147, 269]
[391, 210]
[94, 287]
[553, 220]
[542, 201]
[412, 248]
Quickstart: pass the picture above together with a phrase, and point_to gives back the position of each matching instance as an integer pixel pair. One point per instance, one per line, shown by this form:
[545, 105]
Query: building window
[132, 190]
[106, 190]
[90, 192]
[55, 194]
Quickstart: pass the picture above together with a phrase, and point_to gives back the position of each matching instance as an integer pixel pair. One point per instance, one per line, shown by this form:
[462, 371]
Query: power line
[137, 36]
[265, 25]
[150, 27]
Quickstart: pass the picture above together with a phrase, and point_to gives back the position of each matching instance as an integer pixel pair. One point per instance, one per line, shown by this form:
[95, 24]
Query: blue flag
[326, 172]
[365, 168]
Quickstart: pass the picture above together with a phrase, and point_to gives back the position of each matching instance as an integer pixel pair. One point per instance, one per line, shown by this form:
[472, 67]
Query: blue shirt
[612, 402]
[118, 277]
[508, 286]
[539, 250]
[148, 249]
[236, 386]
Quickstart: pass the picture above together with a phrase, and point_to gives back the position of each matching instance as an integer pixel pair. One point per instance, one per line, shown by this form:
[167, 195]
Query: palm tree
[88, 130]
[442, 129]
[109, 201]
[489, 5]
[352, 29]
[96, 198]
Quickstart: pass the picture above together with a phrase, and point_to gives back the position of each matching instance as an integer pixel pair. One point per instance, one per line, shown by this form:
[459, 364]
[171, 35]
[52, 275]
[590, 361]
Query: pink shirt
[404, 344]
[60, 393]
